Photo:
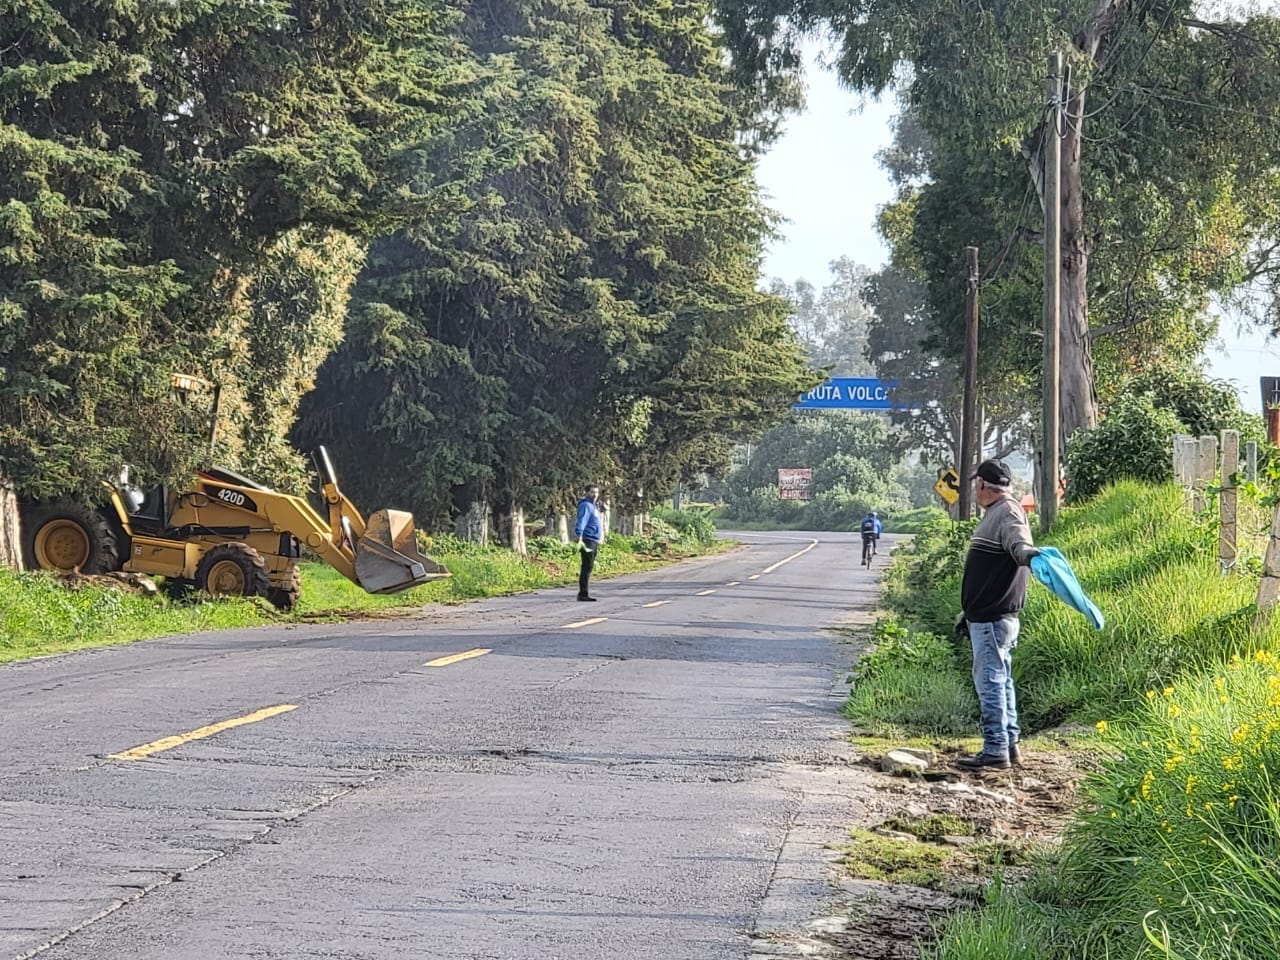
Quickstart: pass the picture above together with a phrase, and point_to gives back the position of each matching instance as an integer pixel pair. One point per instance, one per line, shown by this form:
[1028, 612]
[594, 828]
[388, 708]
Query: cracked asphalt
[661, 783]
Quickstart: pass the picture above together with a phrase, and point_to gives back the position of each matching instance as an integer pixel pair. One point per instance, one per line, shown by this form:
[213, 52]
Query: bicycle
[868, 551]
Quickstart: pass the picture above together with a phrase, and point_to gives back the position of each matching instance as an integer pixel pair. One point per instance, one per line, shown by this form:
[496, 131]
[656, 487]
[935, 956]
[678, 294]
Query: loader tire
[65, 536]
[233, 570]
[285, 598]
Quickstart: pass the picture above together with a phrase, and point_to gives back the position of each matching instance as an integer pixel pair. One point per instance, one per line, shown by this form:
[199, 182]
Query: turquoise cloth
[1051, 569]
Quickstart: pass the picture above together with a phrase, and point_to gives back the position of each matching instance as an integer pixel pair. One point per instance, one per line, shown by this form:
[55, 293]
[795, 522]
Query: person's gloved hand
[961, 626]
[582, 547]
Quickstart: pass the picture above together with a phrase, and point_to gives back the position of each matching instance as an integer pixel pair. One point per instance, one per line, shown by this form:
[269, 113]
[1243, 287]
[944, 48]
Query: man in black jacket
[992, 593]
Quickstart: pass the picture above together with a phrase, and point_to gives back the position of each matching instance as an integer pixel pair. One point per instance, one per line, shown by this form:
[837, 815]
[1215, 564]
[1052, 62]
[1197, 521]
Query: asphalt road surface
[529, 777]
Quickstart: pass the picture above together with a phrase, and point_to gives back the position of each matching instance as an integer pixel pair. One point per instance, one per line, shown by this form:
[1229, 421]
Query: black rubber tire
[254, 577]
[177, 589]
[285, 598]
[103, 547]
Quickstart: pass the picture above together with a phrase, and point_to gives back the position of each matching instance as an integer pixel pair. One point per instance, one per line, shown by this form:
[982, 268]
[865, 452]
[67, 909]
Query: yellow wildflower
[1102, 726]
[1174, 710]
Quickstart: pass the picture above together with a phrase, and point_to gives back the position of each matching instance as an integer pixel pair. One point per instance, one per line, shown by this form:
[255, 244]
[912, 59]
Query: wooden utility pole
[969, 418]
[1048, 499]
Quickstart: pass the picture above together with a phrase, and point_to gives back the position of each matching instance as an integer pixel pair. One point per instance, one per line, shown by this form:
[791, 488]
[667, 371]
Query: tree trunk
[605, 513]
[10, 526]
[558, 527]
[1077, 399]
[473, 526]
[515, 530]
[626, 525]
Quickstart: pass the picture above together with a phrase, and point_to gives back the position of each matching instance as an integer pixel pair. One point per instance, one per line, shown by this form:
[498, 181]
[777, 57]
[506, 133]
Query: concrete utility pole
[969, 416]
[1052, 151]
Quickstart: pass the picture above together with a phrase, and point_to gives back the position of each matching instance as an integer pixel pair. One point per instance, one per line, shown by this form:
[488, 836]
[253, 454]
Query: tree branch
[1228, 31]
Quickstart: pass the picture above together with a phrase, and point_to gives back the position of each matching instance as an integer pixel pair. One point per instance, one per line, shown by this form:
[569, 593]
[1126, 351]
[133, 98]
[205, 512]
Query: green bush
[693, 526]
[1132, 442]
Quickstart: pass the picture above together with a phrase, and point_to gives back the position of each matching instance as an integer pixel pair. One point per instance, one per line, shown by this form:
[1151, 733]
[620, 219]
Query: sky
[823, 178]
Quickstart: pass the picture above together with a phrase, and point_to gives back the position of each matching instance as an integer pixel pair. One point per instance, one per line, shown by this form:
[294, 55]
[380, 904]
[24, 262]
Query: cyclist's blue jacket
[871, 527]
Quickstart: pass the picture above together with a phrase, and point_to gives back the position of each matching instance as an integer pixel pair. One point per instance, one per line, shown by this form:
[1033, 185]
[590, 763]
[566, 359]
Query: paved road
[633, 787]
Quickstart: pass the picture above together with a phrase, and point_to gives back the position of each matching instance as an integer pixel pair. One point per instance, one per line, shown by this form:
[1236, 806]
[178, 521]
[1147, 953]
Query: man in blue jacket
[589, 532]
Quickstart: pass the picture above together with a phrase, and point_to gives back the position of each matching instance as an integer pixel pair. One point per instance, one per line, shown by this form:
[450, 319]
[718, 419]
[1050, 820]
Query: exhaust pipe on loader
[387, 557]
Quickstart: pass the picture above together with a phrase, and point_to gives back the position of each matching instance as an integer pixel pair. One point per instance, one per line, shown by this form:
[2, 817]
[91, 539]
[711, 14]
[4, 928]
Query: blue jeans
[993, 645]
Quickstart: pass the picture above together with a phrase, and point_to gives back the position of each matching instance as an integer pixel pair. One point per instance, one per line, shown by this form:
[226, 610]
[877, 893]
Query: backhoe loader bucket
[387, 557]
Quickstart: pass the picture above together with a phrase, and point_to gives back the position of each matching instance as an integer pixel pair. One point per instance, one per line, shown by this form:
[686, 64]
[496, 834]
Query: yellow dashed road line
[733, 583]
[457, 658]
[705, 593]
[754, 576]
[168, 743]
[657, 603]
[584, 623]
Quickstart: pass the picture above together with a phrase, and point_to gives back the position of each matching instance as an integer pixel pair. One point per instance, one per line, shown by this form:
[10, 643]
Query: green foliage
[1204, 406]
[1172, 854]
[586, 309]
[1133, 441]
[151, 155]
[1172, 130]
[1149, 566]
[695, 526]
[855, 465]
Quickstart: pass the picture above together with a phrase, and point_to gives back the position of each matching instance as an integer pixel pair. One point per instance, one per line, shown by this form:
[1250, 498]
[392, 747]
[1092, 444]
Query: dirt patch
[928, 845]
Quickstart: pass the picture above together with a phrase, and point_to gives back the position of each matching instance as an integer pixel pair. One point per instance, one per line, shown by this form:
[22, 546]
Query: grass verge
[1172, 854]
[38, 616]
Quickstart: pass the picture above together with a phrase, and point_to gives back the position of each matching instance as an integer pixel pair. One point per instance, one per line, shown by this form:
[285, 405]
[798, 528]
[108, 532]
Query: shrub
[694, 526]
[1133, 441]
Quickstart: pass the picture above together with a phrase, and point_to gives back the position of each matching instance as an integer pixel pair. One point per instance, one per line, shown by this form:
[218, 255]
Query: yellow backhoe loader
[228, 536]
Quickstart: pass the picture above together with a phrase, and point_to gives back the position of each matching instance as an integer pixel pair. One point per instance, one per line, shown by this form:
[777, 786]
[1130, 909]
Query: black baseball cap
[994, 472]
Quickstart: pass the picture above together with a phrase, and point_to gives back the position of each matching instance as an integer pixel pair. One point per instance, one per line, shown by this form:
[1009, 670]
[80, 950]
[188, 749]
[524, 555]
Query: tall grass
[1174, 853]
[1148, 564]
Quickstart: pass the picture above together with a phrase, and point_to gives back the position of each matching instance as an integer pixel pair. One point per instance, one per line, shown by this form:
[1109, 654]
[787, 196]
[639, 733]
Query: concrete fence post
[1228, 499]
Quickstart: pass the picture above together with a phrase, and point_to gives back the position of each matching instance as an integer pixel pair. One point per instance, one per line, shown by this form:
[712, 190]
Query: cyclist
[871, 529]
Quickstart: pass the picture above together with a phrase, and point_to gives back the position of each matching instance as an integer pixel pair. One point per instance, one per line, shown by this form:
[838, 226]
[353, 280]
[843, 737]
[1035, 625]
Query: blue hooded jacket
[1051, 569]
[588, 526]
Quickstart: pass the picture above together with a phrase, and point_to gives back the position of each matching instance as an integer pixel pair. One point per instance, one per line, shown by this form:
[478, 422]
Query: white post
[1251, 461]
[1206, 468]
[1227, 501]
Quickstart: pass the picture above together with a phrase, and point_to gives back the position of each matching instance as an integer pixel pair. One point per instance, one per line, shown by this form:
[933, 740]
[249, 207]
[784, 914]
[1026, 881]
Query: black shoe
[1015, 755]
[984, 761]
[585, 599]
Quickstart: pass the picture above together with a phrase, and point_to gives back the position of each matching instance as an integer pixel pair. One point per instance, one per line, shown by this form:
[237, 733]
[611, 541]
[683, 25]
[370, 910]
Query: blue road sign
[848, 393]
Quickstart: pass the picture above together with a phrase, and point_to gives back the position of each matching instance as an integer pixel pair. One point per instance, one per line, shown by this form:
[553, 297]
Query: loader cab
[149, 511]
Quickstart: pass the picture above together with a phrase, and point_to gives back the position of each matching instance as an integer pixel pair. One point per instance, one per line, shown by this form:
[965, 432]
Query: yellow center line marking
[168, 743]
[754, 576]
[657, 603]
[794, 556]
[733, 583]
[456, 658]
[584, 623]
[705, 593]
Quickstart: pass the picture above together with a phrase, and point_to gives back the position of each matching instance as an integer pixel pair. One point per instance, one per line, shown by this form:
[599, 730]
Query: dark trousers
[588, 563]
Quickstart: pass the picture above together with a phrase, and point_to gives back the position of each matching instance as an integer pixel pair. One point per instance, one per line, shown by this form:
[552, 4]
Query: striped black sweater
[995, 571]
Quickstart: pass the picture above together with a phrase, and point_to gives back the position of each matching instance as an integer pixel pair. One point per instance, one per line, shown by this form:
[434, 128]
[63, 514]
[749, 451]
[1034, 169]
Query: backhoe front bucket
[387, 557]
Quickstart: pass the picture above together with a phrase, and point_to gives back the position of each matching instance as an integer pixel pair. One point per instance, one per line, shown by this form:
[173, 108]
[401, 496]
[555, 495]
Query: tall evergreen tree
[592, 311]
[151, 155]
